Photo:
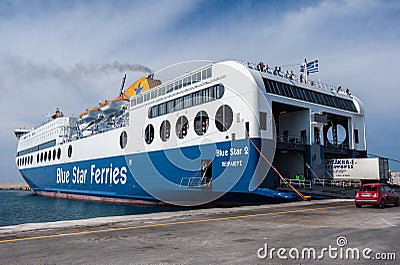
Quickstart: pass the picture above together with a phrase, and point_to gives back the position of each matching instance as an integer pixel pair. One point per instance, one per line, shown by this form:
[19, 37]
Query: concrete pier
[241, 235]
[14, 186]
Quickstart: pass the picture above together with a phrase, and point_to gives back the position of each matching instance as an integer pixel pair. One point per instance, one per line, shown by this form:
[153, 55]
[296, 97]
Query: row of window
[37, 147]
[46, 127]
[41, 157]
[292, 91]
[223, 121]
[178, 84]
[51, 134]
[187, 101]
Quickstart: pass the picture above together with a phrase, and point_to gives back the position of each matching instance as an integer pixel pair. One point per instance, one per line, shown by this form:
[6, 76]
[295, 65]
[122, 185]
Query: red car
[377, 194]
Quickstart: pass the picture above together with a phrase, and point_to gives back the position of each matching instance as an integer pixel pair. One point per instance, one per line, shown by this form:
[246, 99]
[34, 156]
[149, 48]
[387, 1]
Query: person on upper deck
[291, 75]
[260, 66]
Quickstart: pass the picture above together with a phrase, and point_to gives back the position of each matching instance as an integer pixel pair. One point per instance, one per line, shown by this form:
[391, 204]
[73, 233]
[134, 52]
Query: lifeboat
[114, 105]
[90, 114]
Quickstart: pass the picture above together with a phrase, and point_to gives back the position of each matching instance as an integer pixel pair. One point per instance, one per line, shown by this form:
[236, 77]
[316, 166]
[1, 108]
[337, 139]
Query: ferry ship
[215, 131]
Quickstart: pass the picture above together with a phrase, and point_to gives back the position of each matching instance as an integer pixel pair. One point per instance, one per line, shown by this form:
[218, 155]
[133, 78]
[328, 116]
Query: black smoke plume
[109, 67]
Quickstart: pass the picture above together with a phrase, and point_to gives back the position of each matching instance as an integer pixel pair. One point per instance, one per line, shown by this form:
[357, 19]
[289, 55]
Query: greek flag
[312, 67]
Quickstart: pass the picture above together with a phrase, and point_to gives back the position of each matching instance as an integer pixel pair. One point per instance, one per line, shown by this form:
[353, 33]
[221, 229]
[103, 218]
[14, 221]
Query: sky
[71, 54]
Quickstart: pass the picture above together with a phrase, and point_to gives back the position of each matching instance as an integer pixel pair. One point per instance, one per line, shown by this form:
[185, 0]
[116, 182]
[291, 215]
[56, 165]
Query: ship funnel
[141, 85]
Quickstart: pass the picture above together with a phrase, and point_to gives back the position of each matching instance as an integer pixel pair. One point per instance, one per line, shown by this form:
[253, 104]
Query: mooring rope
[304, 198]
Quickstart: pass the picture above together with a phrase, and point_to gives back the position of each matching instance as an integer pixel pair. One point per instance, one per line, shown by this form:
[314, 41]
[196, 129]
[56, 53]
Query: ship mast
[122, 85]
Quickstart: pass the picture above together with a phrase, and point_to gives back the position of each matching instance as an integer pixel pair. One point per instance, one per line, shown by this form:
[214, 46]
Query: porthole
[165, 130]
[59, 153]
[41, 157]
[31, 162]
[123, 139]
[149, 134]
[45, 156]
[182, 127]
[37, 158]
[49, 155]
[224, 118]
[54, 154]
[201, 122]
[70, 151]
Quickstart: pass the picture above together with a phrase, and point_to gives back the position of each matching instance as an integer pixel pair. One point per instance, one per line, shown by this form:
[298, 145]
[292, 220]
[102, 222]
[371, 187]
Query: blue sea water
[20, 207]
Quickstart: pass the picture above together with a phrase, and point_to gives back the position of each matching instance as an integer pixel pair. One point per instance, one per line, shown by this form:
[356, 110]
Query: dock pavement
[313, 232]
